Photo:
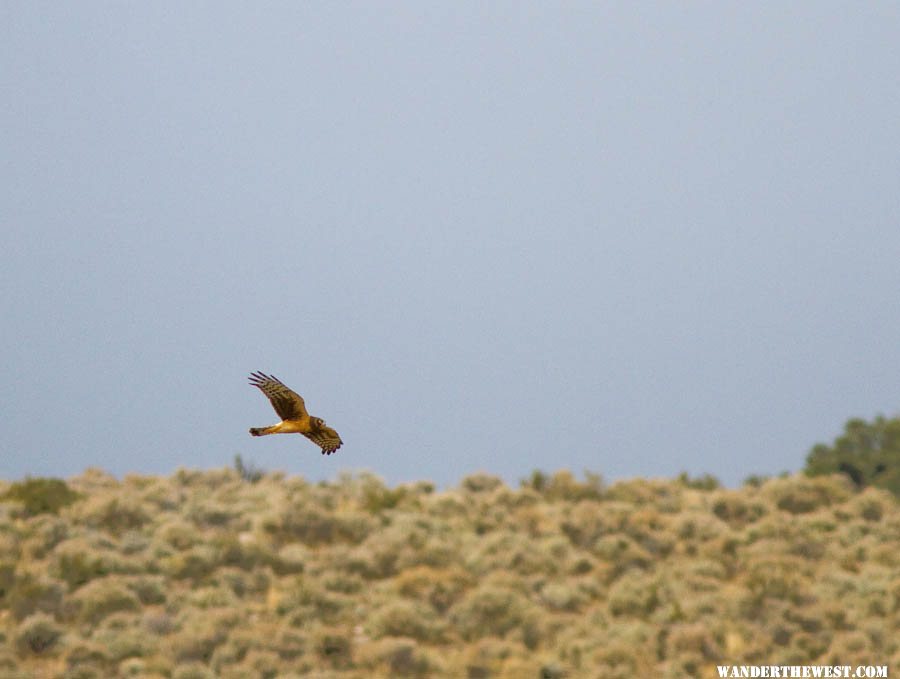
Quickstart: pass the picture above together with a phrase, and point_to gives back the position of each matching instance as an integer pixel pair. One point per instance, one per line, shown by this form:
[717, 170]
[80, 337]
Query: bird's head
[318, 422]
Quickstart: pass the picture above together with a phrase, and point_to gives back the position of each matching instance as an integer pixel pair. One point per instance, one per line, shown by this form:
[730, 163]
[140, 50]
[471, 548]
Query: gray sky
[634, 238]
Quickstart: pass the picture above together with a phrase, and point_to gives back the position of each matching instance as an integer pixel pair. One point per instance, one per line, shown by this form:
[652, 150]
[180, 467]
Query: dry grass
[215, 574]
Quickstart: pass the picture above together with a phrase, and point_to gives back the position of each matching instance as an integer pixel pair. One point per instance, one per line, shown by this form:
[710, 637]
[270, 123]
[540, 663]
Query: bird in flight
[294, 417]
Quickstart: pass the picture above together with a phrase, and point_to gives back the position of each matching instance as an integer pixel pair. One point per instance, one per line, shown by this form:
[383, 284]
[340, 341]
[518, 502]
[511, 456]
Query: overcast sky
[633, 238]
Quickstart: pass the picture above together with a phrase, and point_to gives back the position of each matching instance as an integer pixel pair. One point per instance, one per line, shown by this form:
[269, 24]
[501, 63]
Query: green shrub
[562, 485]
[481, 483]
[704, 482]
[867, 453]
[634, 594]
[40, 495]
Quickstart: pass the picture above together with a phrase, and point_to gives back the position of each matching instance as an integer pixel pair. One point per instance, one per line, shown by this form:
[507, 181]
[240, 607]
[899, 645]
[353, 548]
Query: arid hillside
[228, 574]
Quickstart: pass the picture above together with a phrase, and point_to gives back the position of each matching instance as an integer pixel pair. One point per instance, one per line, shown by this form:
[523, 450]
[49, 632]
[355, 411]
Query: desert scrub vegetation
[239, 573]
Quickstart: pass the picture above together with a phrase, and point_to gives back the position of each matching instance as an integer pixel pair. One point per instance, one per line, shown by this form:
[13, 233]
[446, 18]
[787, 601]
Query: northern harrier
[294, 418]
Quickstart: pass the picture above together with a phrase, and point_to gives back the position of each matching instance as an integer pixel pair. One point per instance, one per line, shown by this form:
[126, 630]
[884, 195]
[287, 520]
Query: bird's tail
[261, 431]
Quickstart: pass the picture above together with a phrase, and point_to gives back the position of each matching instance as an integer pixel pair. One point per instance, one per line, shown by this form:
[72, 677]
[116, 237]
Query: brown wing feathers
[287, 403]
[326, 438]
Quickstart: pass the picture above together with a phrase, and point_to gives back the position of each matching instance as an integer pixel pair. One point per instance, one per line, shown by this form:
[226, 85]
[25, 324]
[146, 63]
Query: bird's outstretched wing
[326, 438]
[287, 403]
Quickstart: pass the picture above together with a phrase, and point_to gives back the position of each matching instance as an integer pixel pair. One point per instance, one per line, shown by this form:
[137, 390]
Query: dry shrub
[196, 637]
[303, 600]
[88, 659]
[665, 495]
[242, 583]
[262, 663]
[485, 657]
[334, 646]
[115, 514]
[290, 559]
[133, 667]
[178, 534]
[622, 553]
[194, 670]
[562, 596]
[195, 563]
[77, 562]
[314, 526]
[515, 552]
[44, 532]
[99, 598]
[871, 504]
[38, 634]
[735, 508]
[398, 658]
[406, 619]
[692, 639]
[149, 589]
[779, 578]
[490, 610]
[440, 588]
[801, 494]
[635, 594]
[32, 593]
[563, 486]
[212, 596]
[480, 483]
[7, 578]
[127, 642]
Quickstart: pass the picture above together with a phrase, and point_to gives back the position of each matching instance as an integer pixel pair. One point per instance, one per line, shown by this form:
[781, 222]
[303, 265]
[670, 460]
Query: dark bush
[41, 496]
